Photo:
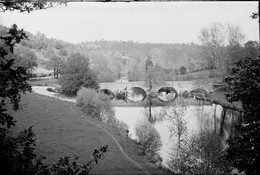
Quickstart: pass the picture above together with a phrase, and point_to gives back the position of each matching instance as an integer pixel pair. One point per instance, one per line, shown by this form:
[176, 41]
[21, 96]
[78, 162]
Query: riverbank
[63, 130]
[130, 113]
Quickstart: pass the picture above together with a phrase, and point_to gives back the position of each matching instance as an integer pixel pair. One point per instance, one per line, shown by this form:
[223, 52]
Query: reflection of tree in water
[229, 118]
[222, 124]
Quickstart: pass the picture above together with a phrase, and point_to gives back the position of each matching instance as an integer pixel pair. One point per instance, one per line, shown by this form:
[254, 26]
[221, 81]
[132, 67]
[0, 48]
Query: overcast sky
[159, 22]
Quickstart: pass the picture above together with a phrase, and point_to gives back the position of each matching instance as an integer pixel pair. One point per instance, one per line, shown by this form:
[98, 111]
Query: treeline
[112, 60]
[116, 59]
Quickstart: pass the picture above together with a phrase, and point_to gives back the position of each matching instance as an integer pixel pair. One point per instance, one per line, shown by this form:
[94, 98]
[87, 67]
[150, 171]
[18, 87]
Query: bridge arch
[107, 92]
[167, 94]
[136, 94]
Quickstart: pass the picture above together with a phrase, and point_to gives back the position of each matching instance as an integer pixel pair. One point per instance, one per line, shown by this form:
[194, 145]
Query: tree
[244, 84]
[23, 6]
[56, 63]
[152, 79]
[116, 64]
[25, 58]
[17, 153]
[178, 129]
[99, 65]
[76, 73]
[149, 139]
[202, 153]
[183, 70]
[213, 40]
[148, 63]
[219, 43]
[252, 48]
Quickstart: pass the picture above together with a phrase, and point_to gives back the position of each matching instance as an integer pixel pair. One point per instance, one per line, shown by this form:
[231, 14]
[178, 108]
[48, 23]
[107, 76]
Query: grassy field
[43, 82]
[62, 130]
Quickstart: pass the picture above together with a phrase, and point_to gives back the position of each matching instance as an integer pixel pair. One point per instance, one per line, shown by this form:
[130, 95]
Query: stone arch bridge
[167, 91]
[180, 86]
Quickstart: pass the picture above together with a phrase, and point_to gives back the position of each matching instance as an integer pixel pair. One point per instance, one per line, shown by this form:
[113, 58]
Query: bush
[202, 154]
[50, 89]
[149, 140]
[95, 104]
[183, 70]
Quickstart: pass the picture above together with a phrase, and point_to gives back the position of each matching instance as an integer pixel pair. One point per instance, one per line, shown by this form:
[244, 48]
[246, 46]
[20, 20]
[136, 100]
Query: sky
[154, 22]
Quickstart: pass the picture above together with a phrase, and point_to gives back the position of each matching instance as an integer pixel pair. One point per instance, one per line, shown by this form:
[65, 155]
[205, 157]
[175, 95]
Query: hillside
[63, 130]
[116, 59]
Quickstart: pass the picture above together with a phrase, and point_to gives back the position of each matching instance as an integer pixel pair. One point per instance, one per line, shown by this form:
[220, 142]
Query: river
[197, 117]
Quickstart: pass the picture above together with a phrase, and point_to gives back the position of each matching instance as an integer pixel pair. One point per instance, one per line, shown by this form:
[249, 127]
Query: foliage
[148, 63]
[218, 42]
[255, 15]
[76, 74]
[100, 65]
[178, 125]
[149, 139]
[17, 154]
[105, 75]
[201, 154]
[13, 78]
[98, 105]
[56, 63]
[183, 70]
[25, 6]
[95, 104]
[153, 78]
[66, 166]
[50, 89]
[25, 58]
[135, 75]
[252, 49]
[244, 84]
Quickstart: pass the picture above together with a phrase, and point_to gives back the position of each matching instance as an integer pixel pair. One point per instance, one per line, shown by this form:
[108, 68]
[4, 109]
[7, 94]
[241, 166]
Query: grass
[61, 132]
[43, 82]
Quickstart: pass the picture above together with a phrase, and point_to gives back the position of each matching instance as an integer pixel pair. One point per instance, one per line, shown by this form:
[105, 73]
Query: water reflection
[197, 117]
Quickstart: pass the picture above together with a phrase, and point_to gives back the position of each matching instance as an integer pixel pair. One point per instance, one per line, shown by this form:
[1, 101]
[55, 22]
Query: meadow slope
[63, 130]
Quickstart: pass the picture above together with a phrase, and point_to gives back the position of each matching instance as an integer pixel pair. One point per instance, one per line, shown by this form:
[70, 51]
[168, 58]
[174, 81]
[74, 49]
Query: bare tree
[152, 79]
[219, 43]
[213, 41]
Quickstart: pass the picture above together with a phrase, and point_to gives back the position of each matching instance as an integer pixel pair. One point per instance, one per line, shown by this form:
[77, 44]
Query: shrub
[149, 140]
[183, 70]
[95, 104]
[202, 154]
[50, 89]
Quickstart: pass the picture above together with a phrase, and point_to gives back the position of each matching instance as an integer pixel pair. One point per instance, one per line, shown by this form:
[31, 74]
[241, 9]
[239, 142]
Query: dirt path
[115, 140]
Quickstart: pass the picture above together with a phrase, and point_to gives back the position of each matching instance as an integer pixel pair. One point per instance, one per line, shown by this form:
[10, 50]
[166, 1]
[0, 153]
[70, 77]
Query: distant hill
[113, 60]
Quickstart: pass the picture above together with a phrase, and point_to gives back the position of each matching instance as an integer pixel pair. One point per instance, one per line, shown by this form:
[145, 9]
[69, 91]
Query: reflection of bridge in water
[168, 91]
